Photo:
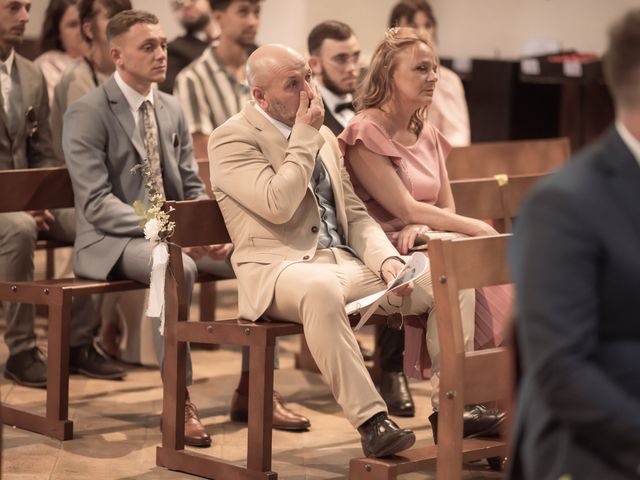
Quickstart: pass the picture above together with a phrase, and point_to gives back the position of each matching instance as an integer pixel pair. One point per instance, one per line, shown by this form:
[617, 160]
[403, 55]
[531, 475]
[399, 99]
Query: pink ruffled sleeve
[372, 135]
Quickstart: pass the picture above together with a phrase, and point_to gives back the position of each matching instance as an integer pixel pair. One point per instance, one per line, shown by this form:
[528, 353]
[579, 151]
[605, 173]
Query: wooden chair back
[517, 157]
[495, 199]
[35, 189]
[466, 377]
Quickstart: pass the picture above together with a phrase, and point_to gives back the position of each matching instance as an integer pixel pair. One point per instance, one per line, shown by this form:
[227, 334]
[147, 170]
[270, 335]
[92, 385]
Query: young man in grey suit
[25, 142]
[576, 266]
[108, 132]
[335, 60]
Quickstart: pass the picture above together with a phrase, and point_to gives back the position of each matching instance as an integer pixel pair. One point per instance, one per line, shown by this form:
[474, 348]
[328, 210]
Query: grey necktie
[9, 108]
[151, 145]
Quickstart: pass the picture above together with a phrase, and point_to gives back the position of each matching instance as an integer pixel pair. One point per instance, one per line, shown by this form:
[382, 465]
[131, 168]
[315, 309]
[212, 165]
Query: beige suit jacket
[261, 183]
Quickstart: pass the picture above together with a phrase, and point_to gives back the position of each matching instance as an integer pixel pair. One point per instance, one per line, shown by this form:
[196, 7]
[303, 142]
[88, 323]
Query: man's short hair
[86, 11]
[123, 21]
[332, 29]
[622, 60]
[224, 4]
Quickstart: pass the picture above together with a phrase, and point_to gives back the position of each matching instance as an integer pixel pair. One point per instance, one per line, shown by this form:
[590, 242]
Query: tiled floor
[117, 423]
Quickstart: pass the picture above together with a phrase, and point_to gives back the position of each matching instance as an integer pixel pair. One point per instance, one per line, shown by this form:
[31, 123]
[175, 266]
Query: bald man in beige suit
[304, 243]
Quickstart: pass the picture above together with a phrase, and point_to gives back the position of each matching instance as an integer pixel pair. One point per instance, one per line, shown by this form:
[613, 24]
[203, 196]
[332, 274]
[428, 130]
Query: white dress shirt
[332, 100]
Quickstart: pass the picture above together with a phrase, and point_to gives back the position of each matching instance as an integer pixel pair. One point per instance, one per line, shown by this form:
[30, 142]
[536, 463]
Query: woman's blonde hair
[377, 86]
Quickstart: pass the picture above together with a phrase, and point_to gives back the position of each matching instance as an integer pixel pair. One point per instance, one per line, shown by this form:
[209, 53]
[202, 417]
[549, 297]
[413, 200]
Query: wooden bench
[517, 157]
[465, 377]
[35, 189]
[259, 336]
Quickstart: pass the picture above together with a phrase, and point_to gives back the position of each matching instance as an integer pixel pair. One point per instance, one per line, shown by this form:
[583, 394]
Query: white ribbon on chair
[160, 260]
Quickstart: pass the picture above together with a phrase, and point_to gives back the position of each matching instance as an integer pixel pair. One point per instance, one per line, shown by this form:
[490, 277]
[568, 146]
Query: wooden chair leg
[208, 297]
[260, 408]
[50, 269]
[58, 369]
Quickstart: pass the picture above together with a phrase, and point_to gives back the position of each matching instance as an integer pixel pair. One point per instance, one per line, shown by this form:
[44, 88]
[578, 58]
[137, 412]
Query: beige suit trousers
[314, 294]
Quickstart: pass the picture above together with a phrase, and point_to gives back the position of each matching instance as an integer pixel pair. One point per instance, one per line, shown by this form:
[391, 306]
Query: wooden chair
[35, 189]
[465, 378]
[517, 157]
[495, 199]
[258, 336]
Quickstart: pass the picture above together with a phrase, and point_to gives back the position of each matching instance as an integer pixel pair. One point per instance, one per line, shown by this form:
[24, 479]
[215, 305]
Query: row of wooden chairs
[465, 378]
[36, 189]
[50, 188]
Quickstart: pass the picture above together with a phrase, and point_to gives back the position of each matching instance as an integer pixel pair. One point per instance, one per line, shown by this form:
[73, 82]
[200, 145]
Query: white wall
[480, 28]
[491, 28]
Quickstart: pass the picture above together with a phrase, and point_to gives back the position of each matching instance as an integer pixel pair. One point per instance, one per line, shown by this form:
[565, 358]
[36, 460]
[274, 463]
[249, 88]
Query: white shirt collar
[332, 99]
[134, 99]
[630, 141]
[9, 61]
[284, 128]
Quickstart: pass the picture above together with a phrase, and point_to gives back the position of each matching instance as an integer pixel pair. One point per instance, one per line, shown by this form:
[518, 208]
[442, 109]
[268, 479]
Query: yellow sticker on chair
[503, 179]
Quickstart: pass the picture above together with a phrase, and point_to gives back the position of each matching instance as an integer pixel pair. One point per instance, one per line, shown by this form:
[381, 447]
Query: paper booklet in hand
[416, 265]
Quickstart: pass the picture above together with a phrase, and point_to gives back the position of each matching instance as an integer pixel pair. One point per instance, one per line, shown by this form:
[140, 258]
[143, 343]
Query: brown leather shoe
[195, 434]
[283, 418]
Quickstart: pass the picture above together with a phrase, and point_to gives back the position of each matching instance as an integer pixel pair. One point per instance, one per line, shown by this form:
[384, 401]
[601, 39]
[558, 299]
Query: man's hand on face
[43, 218]
[311, 111]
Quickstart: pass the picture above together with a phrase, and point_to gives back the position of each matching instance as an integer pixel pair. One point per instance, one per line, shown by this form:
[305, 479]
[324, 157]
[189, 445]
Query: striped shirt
[208, 93]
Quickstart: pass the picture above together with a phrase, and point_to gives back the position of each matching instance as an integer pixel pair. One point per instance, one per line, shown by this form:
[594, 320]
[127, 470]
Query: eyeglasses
[178, 4]
[343, 60]
[395, 320]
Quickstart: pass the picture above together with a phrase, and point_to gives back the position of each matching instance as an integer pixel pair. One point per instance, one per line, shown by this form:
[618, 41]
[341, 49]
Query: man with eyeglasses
[335, 62]
[201, 30]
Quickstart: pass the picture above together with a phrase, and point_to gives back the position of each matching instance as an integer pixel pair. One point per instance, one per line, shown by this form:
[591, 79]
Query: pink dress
[421, 168]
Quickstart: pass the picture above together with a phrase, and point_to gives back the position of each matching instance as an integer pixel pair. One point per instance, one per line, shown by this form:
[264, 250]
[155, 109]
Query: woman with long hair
[60, 41]
[396, 160]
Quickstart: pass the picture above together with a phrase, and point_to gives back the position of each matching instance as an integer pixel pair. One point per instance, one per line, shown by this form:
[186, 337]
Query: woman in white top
[448, 111]
[60, 42]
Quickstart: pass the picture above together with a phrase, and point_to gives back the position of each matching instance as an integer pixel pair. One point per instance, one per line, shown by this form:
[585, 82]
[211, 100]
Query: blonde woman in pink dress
[396, 160]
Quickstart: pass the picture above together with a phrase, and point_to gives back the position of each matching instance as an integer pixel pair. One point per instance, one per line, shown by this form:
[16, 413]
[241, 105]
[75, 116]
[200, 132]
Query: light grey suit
[30, 147]
[101, 147]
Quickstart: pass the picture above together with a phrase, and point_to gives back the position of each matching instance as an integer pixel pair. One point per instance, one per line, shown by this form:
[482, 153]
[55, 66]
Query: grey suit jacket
[576, 265]
[100, 152]
[31, 146]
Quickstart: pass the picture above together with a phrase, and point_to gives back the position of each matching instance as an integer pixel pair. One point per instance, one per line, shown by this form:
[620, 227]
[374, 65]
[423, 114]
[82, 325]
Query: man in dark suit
[335, 60]
[201, 30]
[25, 142]
[105, 134]
[576, 266]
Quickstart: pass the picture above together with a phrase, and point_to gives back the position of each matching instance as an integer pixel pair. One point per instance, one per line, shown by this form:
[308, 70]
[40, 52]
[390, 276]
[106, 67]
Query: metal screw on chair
[367, 467]
[247, 331]
[451, 394]
[14, 289]
[442, 279]
[210, 329]
[46, 291]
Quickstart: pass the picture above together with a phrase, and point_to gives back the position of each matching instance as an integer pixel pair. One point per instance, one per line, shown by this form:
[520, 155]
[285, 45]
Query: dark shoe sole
[492, 431]
[11, 376]
[401, 443]
[201, 444]
[99, 376]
